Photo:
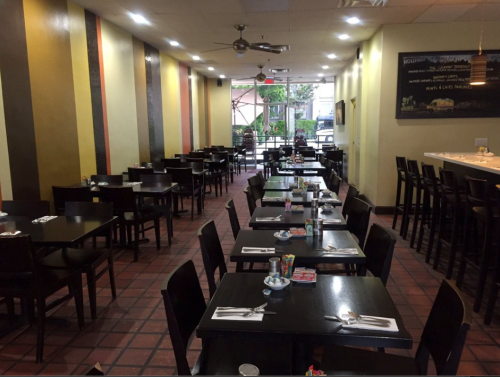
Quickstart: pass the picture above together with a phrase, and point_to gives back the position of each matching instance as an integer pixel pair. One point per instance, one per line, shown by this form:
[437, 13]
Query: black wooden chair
[256, 187]
[159, 167]
[86, 260]
[134, 174]
[233, 218]
[337, 158]
[379, 248]
[262, 179]
[223, 168]
[242, 160]
[32, 208]
[308, 153]
[62, 195]
[109, 179]
[213, 256]
[171, 162]
[22, 277]
[252, 204]
[334, 182]
[358, 219]
[443, 339]
[399, 207]
[328, 168]
[187, 186]
[125, 207]
[352, 192]
[185, 306]
[413, 211]
[197, 155]
[181, 156]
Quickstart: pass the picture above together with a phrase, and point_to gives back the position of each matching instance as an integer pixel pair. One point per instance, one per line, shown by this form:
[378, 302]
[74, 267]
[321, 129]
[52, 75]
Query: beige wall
[220, 112]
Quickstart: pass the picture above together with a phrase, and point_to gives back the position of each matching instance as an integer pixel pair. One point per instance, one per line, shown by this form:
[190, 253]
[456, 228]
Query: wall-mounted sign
[437, 85]
[340, 113]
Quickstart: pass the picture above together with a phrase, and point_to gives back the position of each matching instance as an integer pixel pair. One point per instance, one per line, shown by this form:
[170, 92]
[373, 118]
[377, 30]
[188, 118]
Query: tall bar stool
[430, 209]
[495, 287]
[453, 200]
[413, 211]
[480, 209]
[402, 169]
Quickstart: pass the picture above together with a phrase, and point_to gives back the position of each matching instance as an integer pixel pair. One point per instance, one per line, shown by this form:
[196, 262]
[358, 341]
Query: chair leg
[78, 288]
[40, 305]
[434, 221]
[396, 207]
[136, 242]
[416, 219]
[11, 310]
[408, 212]
[169, 229]
[157, 233]
[422, 223]
[453, 244]
[91, 286]
[465, 246]
[111, 272]
[483, 271]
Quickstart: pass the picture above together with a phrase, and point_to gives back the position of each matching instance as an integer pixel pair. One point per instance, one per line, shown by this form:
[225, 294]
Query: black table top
[63, 231]
[293, 219]
[284, 183]
[300, 199]
[300, 310]
[308, 165]
[143, 189]
[307, 159]
[303, 248]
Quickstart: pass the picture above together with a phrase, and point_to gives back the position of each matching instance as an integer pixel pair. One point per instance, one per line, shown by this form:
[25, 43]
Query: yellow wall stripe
[5, 179]
[220, 113]
[141, 99]
[171, 100]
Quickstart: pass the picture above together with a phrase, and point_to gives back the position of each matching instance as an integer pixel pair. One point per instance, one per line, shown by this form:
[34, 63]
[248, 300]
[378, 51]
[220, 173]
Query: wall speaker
[219, 82]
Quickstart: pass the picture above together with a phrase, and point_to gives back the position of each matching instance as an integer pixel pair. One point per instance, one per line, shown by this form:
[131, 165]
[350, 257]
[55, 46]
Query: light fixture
[325, 67]
[332, 56]
[323, 80]
[174, 43]
[353, 20]
[317, 79]
[343, 37]
[479, 62]
[222, 76]
[196, 57]
[320, 75]
[139, 19]
[210, 68]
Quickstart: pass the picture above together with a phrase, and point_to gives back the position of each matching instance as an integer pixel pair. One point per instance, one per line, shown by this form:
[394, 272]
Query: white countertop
[471, 160]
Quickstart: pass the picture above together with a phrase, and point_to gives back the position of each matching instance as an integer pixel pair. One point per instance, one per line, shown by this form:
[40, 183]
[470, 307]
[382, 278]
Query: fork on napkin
[133, 183]
[392, 326]
[333, 250]
[43, 219]
[331, 221]
[258, 250]
[256, 317]
[13, 233]
[273, 198]
[268, 219]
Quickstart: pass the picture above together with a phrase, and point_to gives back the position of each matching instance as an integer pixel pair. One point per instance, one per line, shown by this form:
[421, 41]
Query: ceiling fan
[241, 45]
[261, 77]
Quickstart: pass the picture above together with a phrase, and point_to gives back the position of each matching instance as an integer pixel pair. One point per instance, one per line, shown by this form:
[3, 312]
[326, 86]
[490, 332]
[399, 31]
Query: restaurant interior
[249, 187]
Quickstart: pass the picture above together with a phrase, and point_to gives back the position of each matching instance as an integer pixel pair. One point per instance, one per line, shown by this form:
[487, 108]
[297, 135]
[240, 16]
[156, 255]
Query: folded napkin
[132, 183]
[3, 213]
[43, 219]
[258, 250]
[103, 184]
[266, 219]
[393, 327]
[273, 198]
[331, 221]
[328, 200]
[14, 233]
[332, 250]
[237, 317]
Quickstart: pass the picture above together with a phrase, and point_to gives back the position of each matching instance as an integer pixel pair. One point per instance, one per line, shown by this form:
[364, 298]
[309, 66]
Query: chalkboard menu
[437, 85]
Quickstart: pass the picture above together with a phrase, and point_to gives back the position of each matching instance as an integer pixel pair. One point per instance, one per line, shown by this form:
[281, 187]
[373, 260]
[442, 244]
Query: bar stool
[495, 287]
[402, 170]
[413, 211]
[452, 198]
[430, 209]
[480, 209]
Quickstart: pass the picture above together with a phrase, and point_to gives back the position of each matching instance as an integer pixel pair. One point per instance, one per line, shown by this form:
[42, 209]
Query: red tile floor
[131, 337]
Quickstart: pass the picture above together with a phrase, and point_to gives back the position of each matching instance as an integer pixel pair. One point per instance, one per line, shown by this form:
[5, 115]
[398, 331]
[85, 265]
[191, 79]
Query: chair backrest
[146, 164]
[334, 182]
[171, 162]
[69, 194]
[89, 209]
[288, 149]
[358, 219]
[34, 208]
[184, 307]
[256, 187]
[219, 156]
[352, 192]
[233, 218]
[262, 179]
[18, 264]
[182, 176]
[123, 199]
[135, 173]
[196, 155]
[308, 153]
[196, 165]
[430, 180]
[304, 147]
[402, 168]
[450, 186]
[414, 174]
[110, 179]
[444, 334]
[158, 166]
[195, 159]
[335, 156]
[379, 248]
[274, 168]
[213, 256]
[157, 178]
[250, 200]
[328, 168]
[478, 193]
[181, 156]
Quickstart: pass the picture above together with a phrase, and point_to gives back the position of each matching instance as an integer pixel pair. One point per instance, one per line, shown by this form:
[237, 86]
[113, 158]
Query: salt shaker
[314, 204]
[274, 266]
[318, 227]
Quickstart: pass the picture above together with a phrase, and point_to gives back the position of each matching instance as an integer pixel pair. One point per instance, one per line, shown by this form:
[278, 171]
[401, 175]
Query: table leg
[239, 267]
[302, 357]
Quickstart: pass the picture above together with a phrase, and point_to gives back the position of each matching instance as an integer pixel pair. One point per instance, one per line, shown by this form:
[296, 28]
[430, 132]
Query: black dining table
[300, 309]
[140, 190]
[63, 231]
[286, 183]
[307, 165]
[295, 219]
[277, 199]
[305, 249]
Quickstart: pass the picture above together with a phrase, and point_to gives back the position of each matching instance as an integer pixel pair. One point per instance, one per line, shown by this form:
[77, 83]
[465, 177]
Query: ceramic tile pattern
[130, 336]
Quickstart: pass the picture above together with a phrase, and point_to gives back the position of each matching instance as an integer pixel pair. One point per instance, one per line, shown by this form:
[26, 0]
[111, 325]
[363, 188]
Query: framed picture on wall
[340, 113]
[437, 85]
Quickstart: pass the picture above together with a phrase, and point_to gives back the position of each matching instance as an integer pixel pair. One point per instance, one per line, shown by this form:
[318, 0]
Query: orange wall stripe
[103, 92]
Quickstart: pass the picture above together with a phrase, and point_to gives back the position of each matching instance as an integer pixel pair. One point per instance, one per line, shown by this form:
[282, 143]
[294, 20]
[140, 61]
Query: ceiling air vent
[361, 3]
[279, 70]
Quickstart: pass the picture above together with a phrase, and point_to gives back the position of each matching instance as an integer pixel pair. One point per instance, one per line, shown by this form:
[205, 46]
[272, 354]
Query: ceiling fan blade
[271, 47]
[219, 43]
[257, 48]
[246, 78]
[217, 49]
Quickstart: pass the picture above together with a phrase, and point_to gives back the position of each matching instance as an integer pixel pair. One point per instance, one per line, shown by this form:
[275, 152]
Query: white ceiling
[311, 27]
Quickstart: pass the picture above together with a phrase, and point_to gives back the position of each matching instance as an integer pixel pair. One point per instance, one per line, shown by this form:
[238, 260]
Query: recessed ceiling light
[320, 75]
[196, 57]
[139, 19]
[353, 20]
[325, 67]
[317, 79]
[175, 43]
[343, 37]
[210, 68]
[222, 76]
[332, 56]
